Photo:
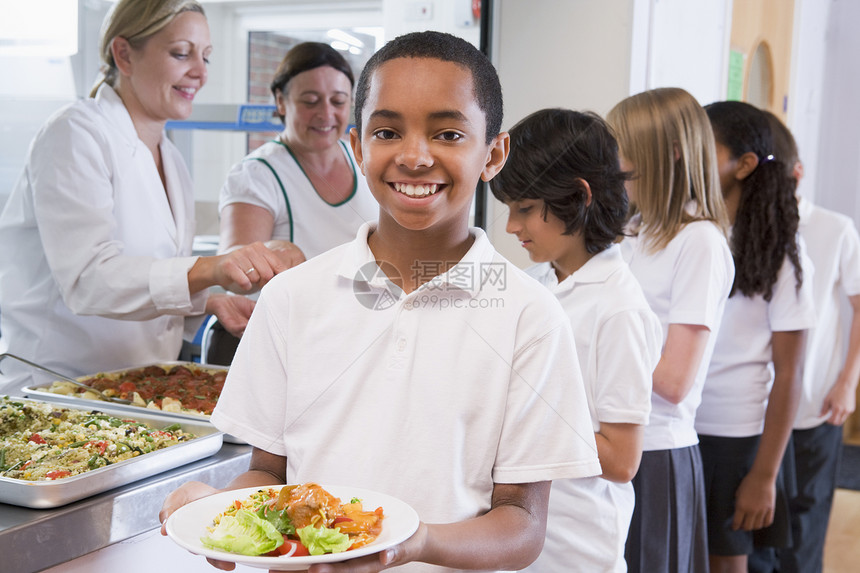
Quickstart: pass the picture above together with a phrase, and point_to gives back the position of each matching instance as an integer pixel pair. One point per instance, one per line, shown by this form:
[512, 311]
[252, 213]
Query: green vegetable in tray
[41, 441]
[321, 540]
[244, 533]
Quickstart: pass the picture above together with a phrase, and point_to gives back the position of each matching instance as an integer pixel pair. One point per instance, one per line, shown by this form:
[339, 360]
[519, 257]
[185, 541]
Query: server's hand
[233, 312]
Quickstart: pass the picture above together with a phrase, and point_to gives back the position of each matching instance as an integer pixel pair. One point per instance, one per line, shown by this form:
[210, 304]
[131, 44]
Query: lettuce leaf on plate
[280, 519]
[244, 533]
[321, 540]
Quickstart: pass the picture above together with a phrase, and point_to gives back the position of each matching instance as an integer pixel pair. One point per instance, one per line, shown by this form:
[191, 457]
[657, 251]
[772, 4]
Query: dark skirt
[726, 462]
[668, 532]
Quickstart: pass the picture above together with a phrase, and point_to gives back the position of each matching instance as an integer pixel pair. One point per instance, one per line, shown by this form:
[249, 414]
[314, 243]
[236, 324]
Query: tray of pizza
[180, 389]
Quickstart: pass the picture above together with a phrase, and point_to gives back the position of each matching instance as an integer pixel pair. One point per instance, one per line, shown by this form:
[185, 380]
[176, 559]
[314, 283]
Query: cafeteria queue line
[696, 324]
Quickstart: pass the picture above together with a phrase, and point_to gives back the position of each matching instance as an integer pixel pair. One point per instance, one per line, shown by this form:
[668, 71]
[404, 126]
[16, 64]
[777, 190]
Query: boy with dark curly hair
[568, 206]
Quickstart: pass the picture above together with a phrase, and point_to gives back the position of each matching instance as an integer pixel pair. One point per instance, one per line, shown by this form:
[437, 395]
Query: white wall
[809, 52]
[574, 54]
[687, 47]
[40, 77]
[836, 178]
[589, 55]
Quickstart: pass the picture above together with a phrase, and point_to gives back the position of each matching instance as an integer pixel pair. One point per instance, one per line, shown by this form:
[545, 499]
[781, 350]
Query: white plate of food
[341, 522]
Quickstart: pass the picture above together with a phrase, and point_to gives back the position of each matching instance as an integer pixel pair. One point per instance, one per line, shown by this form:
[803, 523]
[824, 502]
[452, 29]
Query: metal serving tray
[54, 493]
[42, 393]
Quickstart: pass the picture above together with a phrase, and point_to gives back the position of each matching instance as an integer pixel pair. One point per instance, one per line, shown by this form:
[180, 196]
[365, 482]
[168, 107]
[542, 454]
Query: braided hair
[765, 228]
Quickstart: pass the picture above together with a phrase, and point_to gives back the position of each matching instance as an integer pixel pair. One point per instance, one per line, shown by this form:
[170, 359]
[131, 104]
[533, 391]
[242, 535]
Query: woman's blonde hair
[136, 21]
[667, 137]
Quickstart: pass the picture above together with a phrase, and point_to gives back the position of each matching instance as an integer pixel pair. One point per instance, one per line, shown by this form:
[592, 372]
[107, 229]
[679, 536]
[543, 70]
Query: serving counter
[35, 539]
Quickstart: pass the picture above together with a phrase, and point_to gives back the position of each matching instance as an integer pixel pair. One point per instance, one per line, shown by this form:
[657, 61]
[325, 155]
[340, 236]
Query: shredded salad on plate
[293, 520]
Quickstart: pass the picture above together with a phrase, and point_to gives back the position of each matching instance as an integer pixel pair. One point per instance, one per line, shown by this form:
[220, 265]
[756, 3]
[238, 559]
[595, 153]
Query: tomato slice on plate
[291, 547]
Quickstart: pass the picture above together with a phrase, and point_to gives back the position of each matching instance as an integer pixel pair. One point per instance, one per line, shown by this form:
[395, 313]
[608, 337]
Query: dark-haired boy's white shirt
[431, 397]
[618, 340]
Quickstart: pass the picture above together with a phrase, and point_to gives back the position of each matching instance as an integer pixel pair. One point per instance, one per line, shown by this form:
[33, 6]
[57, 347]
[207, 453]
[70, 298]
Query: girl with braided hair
[752, 389]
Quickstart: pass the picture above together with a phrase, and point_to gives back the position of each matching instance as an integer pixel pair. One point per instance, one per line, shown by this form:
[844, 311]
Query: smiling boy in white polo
[456, 388]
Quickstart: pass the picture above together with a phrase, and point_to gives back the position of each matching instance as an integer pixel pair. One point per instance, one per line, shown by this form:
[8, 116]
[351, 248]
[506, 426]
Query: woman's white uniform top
[271, 178]
[618, 341]
[687, 282]
[94, 252]
[833, 244]
[741, 373]
[432, 396]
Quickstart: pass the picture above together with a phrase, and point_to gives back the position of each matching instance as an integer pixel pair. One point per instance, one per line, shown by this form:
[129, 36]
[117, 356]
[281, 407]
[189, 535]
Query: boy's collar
[359, 264]
[597, 270]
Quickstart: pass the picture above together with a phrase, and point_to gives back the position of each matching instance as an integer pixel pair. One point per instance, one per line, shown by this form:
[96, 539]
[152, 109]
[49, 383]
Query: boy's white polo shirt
[431, 397]
[618, 340]
[687, 282]
[618, 336]
[741, 374]
[833, 245]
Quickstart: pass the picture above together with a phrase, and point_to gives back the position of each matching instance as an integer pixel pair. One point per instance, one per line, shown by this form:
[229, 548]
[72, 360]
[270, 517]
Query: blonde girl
[678, 251]
[96, 264]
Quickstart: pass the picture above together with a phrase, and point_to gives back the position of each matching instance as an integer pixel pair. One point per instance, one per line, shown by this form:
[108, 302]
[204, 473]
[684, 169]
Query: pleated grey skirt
[668, 531]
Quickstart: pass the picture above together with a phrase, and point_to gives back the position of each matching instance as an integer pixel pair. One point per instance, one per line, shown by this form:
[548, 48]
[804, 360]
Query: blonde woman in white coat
[96, 271]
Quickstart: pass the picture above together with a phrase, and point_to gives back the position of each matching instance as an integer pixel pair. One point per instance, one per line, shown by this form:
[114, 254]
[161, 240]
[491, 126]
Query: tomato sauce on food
[196, 389]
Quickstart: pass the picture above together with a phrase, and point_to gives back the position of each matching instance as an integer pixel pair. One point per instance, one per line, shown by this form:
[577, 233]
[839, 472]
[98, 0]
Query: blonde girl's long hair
[667, 137]
[136, 21]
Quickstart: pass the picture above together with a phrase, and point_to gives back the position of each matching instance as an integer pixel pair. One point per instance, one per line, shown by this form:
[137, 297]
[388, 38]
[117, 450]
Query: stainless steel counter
[35, 539]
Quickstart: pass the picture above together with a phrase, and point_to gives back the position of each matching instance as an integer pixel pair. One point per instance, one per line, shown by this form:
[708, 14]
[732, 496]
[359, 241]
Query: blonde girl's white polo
[741, 373]
[618, 340]
[432, 397]
[687, 282]
[271, 178]
[833, 244]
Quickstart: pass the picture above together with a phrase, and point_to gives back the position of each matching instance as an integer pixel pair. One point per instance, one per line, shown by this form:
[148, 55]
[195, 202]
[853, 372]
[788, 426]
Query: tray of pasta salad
[53, 454]
[181, 389]
[290, 527]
